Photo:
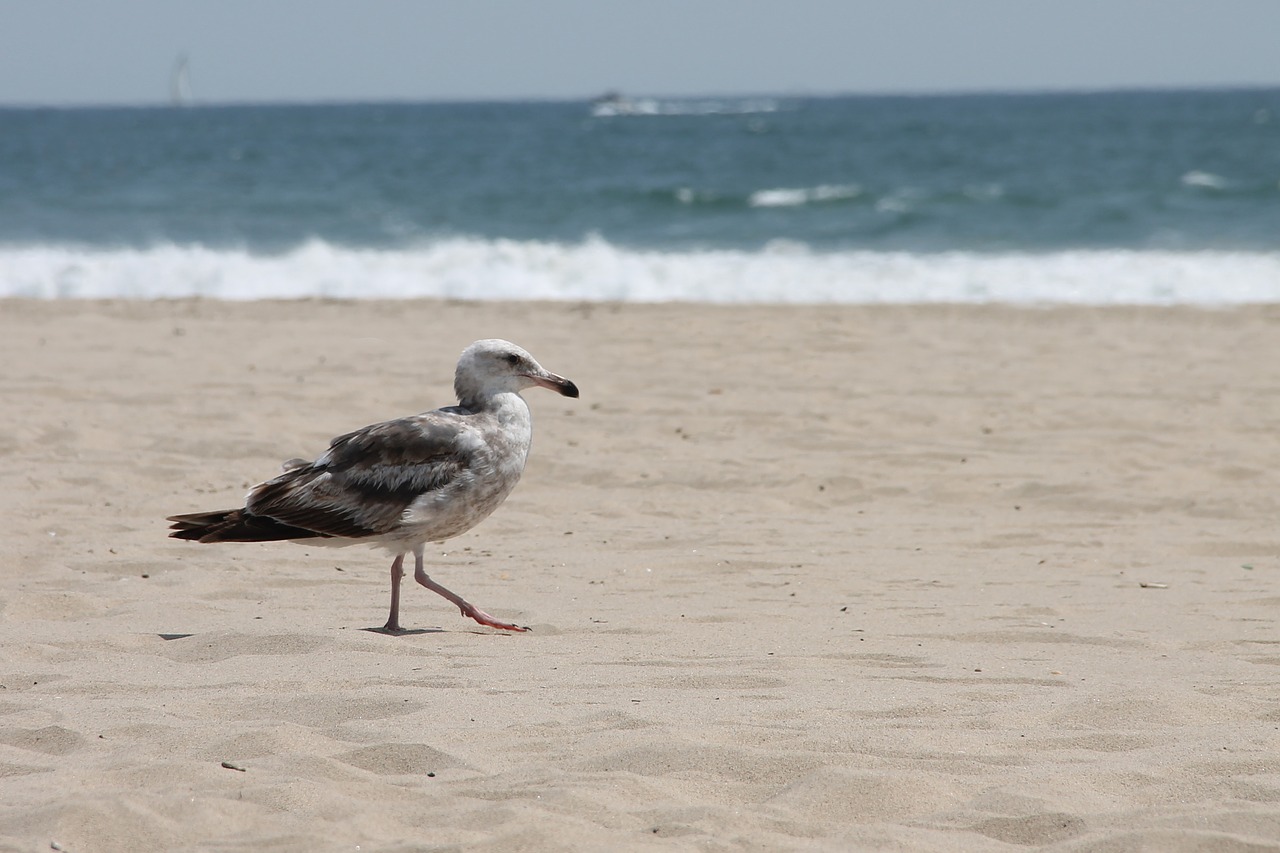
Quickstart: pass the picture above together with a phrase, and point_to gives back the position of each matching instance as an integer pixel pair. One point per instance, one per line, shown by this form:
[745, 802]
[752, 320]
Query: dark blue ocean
[1125, 197]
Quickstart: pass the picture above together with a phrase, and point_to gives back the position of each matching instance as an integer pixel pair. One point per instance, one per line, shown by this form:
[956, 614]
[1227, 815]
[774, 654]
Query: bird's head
[495, 366]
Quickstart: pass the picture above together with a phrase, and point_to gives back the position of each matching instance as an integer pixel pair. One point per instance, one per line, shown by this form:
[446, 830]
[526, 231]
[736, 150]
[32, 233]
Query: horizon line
[793, 94]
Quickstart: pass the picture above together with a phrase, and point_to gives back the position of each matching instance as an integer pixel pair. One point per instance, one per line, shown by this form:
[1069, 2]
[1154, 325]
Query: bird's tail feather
[233, 525]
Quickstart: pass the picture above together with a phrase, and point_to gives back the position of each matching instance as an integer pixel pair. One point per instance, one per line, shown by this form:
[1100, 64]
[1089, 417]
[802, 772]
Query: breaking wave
[595, 270]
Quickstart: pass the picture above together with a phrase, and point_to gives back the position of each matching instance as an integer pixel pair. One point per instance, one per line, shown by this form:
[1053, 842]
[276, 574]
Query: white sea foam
[594, 270]
[804, 195]
[1206, 180]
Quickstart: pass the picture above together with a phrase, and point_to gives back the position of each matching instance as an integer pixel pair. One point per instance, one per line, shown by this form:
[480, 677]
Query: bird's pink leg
[397, 572]
[468, 609]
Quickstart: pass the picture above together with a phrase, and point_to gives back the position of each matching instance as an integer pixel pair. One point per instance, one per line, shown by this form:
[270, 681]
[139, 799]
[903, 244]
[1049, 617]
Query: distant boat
[617, 104]
[180, 82]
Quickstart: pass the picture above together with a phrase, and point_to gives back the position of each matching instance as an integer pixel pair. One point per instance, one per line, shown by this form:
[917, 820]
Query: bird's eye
[512, 359]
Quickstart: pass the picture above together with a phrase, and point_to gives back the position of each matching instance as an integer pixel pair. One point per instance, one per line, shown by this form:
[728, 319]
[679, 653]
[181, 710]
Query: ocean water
[1125, 197]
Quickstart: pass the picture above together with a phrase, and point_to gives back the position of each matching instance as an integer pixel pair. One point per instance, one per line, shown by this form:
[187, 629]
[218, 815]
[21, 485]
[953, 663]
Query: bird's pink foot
[488, 621]
[468, 609]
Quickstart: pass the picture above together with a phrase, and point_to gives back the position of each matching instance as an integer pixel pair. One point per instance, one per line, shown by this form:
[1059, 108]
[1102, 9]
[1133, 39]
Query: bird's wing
[362, 485]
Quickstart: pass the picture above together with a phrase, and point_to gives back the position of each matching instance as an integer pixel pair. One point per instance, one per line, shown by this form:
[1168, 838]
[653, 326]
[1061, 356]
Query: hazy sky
[122, 51]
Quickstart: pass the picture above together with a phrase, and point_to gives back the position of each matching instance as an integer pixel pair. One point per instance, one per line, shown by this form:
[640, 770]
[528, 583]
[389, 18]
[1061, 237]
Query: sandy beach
[801, 578]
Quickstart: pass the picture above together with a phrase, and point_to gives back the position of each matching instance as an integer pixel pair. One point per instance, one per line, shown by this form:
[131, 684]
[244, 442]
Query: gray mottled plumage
[405, 482]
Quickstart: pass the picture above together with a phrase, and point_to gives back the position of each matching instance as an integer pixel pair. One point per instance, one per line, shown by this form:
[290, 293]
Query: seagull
[403, 483]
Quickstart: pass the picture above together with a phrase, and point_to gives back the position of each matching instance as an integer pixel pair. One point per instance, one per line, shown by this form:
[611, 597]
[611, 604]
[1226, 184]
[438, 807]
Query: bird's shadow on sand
[407, 632]
[403, 632]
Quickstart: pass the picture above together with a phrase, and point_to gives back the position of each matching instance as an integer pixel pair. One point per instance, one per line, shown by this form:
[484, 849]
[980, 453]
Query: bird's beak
[551, 382]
